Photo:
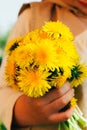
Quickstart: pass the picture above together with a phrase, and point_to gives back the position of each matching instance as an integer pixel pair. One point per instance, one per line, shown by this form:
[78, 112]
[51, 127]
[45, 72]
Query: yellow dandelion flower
[73, 102]
[79, 74]
[61, 78]
[58, 81]
[10, 70]
[66, 56]
[67, 72]
[69, 49]
[63, 60]
[23, 56]
[31, 37]
[57, 30]
[61, 57]
[33, 82]
[44, 35]
[13, 44]
[45, 54]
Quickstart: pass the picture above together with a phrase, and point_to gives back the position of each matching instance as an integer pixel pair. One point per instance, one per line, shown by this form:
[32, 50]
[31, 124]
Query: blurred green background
[3, 40]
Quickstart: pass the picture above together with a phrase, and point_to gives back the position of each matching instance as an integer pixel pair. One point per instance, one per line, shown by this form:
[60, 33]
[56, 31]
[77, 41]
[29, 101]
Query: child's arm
[44, 110]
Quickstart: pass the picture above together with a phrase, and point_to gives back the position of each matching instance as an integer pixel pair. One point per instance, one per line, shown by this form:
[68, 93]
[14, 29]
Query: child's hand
[44, 110]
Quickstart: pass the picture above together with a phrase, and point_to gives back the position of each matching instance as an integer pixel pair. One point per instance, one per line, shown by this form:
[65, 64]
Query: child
[18, 111]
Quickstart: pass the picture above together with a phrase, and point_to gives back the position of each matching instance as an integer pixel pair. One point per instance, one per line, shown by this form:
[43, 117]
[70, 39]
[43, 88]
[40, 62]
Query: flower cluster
[44, 59]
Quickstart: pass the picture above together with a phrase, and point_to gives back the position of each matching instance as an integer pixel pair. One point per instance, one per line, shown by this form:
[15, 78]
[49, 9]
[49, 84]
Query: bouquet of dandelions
[43, 59]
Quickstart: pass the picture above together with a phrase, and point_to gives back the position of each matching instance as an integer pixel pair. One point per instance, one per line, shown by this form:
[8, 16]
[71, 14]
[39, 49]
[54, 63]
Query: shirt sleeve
[8, 98]
[81, 44]
[81, 92]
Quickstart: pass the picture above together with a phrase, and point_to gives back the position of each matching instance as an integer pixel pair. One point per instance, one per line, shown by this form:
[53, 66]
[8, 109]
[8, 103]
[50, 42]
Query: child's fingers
[60, 103]
[61, 116]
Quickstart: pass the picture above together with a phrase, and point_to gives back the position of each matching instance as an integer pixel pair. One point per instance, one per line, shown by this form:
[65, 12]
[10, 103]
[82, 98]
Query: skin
[47, 107]
[81, 4]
